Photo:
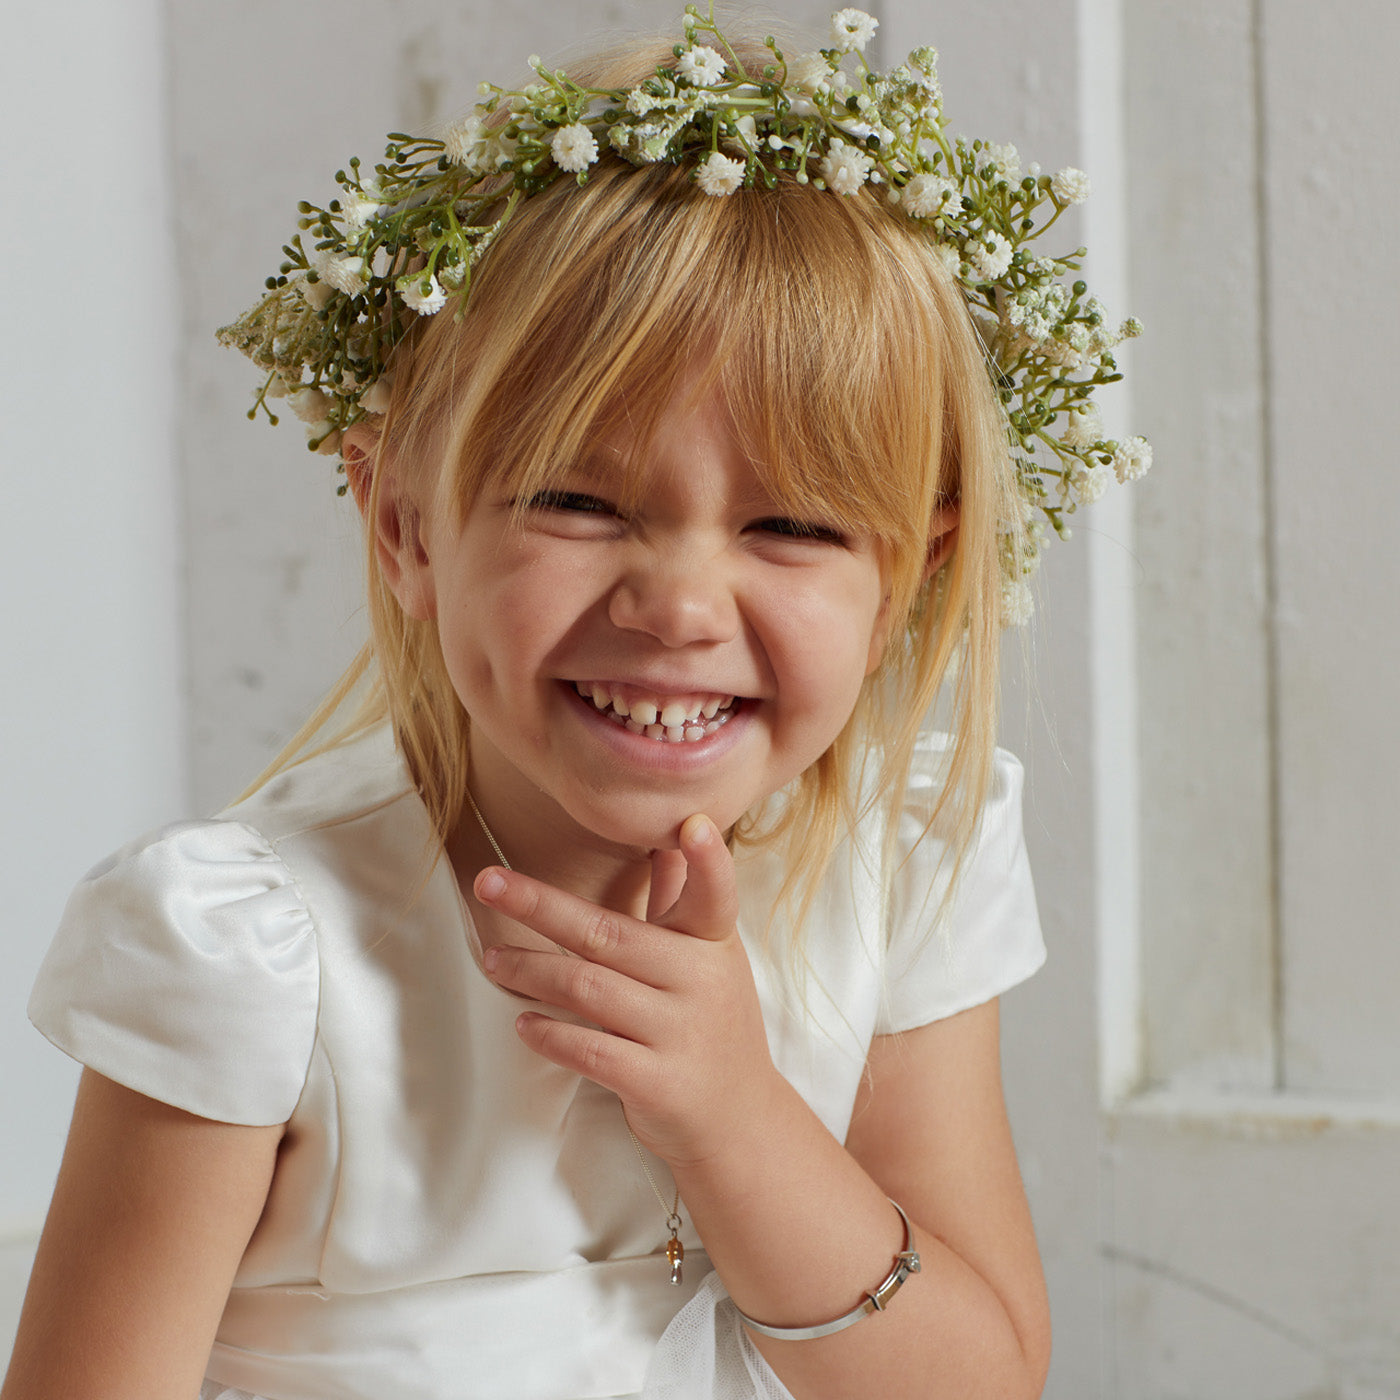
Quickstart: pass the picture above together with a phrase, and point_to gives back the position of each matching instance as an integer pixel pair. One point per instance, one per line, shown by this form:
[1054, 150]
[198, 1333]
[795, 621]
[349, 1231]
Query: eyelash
[579, 502]
[800, 530]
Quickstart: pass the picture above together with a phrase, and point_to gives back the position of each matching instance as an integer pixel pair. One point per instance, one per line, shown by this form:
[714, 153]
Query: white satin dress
[452, 1216]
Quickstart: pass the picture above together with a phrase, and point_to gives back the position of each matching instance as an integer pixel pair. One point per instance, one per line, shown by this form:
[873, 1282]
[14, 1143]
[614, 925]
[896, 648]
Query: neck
[538, 838]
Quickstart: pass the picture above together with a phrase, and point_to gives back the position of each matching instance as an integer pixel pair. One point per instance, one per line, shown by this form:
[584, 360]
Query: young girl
[601, 998]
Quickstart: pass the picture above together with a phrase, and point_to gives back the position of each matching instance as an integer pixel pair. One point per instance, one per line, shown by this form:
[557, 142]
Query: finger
[617, 1064]
[708, 906]
[600, 935]
[667, 881]
[617, 1003]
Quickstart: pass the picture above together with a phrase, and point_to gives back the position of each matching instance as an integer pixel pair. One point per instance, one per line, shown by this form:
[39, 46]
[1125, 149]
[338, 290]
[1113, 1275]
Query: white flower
[344, 274]
[316, 294]
[928, 195]
[745, 136]
[1017, 602]
[852, 29]
[1005, 159]
[310, 405]
[1085, 427]
[949, 256]
[464, 142]
[425, 303]
[720, 174]
[810, 72]
[990, 255]
[845, 168]
[358, 212]
[701, 66]
[1069, 186]
[376, 398]
[574, 148]
[1132, 458]
[1088, 482]
[329, 436]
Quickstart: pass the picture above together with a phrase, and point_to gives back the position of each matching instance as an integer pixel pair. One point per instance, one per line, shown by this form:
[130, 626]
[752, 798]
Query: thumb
[708, 906]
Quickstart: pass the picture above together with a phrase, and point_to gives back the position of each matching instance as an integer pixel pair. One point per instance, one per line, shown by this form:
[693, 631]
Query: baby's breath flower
[310, 405]
[573, 148]
[1132, 458]
[852, 30]
[1070, 186]
[720, 174]
[376, 399]
[1085, 427]
[845, 168]
[464, 142]
[317, 293]
[358, 212]
[1088, 481]
[701, 65]
[422, 294]
[346, 275]
[1017, 602]
[926, 196]
[809, 72]
[1004, 159]
[990, 255]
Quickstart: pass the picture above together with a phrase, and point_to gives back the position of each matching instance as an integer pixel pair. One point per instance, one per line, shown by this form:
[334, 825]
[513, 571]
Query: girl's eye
[576, 501]
[800, 530]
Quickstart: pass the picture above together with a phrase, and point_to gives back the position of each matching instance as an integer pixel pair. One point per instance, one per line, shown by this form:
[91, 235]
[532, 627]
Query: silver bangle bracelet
[906, 1262]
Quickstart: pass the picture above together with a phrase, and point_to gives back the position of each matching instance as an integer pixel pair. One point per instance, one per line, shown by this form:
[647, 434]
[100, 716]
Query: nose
[679, 601]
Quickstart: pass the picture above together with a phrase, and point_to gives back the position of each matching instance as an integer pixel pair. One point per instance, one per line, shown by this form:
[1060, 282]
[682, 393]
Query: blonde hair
[847, 357]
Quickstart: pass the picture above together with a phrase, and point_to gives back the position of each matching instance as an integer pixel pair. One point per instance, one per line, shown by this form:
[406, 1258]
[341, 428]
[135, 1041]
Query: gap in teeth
[668, 721]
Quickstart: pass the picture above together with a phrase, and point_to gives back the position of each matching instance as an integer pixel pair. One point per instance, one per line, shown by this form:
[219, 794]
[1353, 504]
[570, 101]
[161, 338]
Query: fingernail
[490, 958]
[700, 829]
[490, 884]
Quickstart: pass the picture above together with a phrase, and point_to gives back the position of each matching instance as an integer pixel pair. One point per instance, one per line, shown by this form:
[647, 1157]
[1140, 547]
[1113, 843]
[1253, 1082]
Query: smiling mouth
[669, 719]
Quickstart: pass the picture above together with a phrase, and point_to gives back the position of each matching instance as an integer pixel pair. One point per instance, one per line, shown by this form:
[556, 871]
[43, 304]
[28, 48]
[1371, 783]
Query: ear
[394, 521]
[942, 538]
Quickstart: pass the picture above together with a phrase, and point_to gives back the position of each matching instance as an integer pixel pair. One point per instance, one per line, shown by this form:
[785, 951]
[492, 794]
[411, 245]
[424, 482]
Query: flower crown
[402, 243]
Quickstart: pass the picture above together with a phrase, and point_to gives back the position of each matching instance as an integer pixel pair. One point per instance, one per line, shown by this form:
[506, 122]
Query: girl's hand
[676, 1031]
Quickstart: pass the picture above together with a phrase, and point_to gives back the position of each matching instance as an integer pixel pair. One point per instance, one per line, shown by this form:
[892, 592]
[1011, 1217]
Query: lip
[639, 750]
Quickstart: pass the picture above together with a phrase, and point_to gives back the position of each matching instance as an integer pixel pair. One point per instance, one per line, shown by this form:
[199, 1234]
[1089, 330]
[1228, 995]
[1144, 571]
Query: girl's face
[626, 669]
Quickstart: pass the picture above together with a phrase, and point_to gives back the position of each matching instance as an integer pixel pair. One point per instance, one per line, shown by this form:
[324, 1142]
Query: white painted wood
[1250, 1257]
[1207, 879]
[91, 749]
[1330, 95]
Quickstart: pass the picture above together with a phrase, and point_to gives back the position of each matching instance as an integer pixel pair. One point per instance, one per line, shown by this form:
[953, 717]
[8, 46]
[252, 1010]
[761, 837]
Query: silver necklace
[675, 1250]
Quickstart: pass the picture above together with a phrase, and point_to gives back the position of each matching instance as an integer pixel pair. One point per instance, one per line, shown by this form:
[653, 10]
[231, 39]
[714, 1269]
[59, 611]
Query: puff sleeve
[185, 967]
[943, 960]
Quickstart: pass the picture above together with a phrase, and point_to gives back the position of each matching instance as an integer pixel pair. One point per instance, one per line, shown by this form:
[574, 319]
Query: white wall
[93, 744]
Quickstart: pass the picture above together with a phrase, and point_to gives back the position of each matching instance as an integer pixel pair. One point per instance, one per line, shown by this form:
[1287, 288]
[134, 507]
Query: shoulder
[960, 931]
[187, 965]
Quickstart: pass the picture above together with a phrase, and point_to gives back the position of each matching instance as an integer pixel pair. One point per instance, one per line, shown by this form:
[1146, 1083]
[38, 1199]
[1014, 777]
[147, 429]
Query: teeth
[668, 721]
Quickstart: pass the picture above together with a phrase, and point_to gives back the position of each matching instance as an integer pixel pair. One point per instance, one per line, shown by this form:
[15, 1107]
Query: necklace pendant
[675, 1255]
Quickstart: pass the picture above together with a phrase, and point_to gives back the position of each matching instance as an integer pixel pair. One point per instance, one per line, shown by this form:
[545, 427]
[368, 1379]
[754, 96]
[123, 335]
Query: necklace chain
[675, 1250]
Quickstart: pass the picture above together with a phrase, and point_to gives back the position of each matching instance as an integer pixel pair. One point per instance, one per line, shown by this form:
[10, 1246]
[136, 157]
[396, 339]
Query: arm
[797, 1224]
[151, 1214]
[800, 1246]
